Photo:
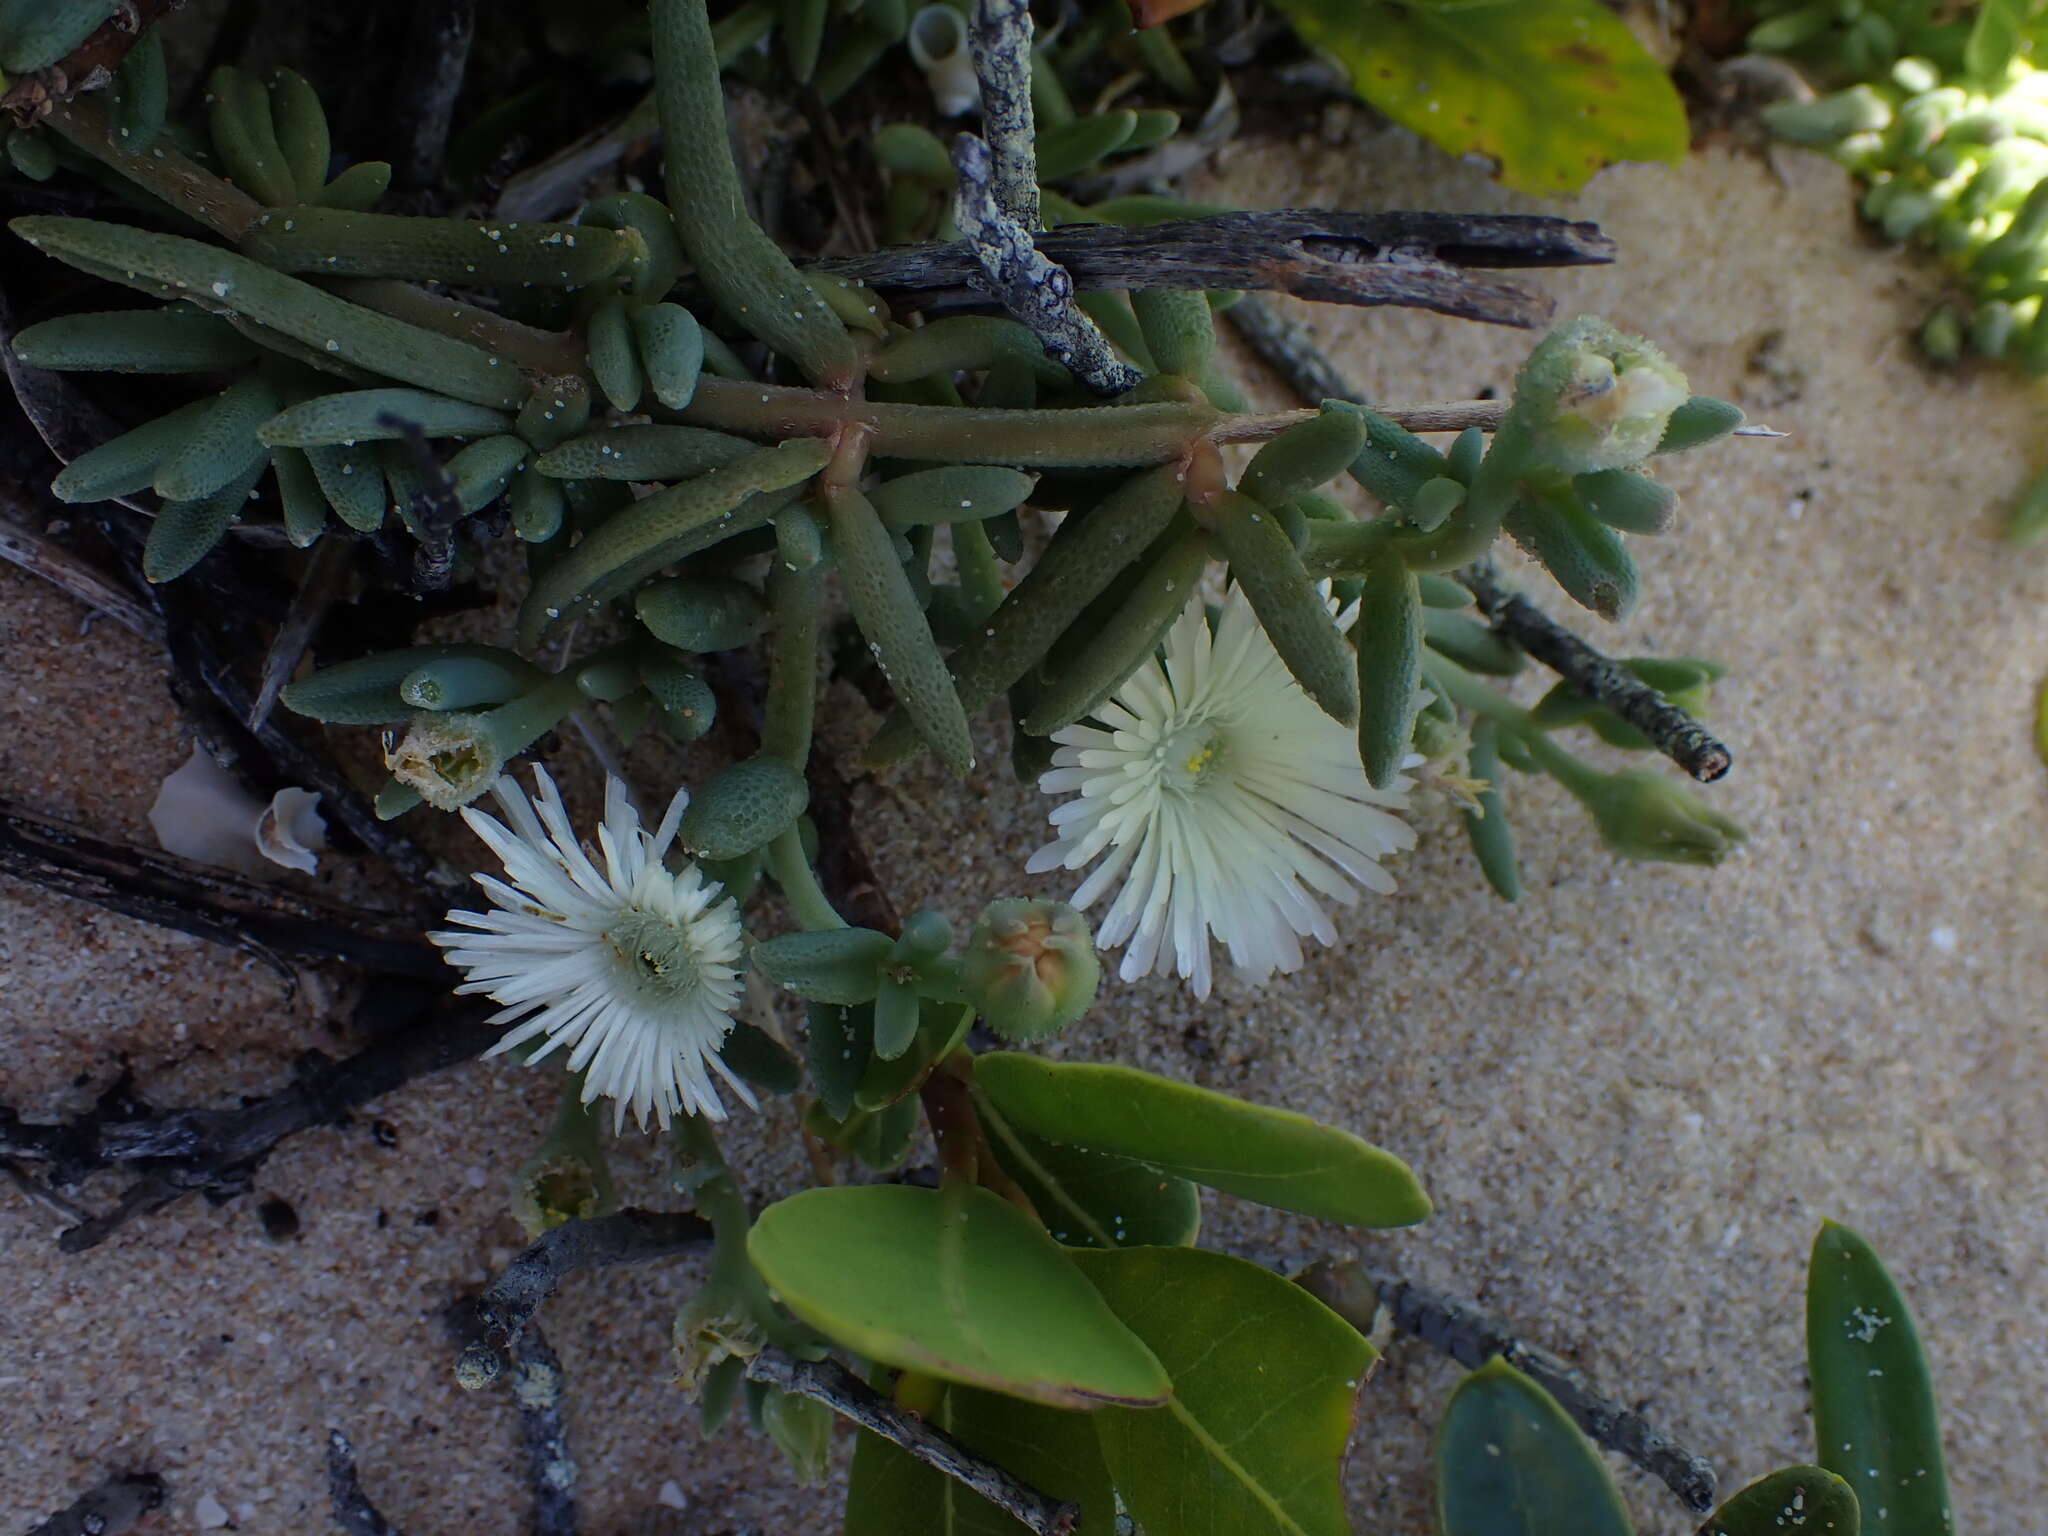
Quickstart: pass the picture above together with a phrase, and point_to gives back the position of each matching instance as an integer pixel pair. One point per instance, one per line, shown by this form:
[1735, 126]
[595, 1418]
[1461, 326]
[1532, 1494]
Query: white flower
[634, 968]
[1225, 801]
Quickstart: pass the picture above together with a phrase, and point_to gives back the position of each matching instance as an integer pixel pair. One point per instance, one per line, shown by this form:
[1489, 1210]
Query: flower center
[654, 956]
[1189, 756]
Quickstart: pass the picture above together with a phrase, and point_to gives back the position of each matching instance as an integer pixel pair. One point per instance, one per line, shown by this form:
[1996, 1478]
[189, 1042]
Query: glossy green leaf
[1552, 90]
[1273, 1156]
[1094, 1199]
[1510, 1463]
[1874, 1423]
[892, 1494]
[1803, 1501]
[957, 1283]
[1265, 1383]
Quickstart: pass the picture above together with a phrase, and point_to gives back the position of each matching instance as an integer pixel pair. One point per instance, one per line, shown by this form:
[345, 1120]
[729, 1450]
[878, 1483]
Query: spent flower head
[632, 967]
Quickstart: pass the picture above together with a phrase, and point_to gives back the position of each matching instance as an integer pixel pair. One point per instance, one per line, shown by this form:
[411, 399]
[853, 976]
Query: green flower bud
[1645, 814]
[1591, 398]
[1030, 968]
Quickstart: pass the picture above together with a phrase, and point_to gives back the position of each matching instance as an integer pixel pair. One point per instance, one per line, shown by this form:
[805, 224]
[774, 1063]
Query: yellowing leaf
[1551, 90]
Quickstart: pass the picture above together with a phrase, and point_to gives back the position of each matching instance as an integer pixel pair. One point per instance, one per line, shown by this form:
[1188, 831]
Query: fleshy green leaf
[1273, 1156]
[1509, 1463]
[1094, 1199]
[1265, 1382]
[957, 1283]
[1553, 90]
[891, 1493]
[1995, 37]
[1792, 1499]
[1874, 1422]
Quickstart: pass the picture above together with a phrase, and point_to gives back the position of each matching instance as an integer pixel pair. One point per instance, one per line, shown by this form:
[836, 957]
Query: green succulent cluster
[1951, 137]
[1860, 39]
[373, 374]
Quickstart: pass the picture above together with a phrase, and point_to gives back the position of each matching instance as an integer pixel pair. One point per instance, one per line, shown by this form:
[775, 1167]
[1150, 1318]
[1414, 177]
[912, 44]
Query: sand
[1634, 1095]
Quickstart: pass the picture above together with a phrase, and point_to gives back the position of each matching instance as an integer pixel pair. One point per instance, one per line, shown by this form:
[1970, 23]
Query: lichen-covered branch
[352, 1509]
[851, 1398]
[538, 1389]
[1600, 678]
[631, 1236]
[108, 1510]
[999, 41]
[1355, 1293]
[1035, 290]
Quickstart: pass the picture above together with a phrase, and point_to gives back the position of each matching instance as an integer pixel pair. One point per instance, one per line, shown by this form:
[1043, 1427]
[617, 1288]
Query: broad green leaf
[1808, 1501]
[1273, 1156]
[1509, 1463]
[1094, 1199]
[1265, 1383]
[1995, 37]
[1552, 90]
[954, 1282]
[891, 1493]
[1874, 1423]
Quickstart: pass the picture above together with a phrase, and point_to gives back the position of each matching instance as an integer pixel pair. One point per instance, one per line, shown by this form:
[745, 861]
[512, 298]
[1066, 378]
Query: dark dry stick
[353, 1511]
[326, 573]
[631, 1236]
[108, 1510]
[851, 1398]
[201, 900]
[1414, 259]
[1283, 345]
[1468, 1336]
[537, 1387]
[76, 578]
[436, 55]
[216, 1151]
[1675, 733]
[434, 512]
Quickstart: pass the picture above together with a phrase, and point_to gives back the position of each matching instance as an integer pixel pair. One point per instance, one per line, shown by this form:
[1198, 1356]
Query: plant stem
[799, 882]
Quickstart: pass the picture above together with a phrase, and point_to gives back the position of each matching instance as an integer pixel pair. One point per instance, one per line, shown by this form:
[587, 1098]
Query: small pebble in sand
[211, 1514]
[1943, 938]
[671, 1494]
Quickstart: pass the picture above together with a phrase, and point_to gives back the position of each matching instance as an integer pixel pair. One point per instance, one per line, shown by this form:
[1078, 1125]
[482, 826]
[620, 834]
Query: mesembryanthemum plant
[697, 446]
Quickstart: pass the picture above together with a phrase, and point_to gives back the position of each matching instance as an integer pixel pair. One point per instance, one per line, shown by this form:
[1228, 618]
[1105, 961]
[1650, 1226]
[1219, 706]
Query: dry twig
[851, 1398]
[1600, 678]
[1355, 1293]
[1419, 260]
[631, 1236]
[216, 1151]
[108, 1510]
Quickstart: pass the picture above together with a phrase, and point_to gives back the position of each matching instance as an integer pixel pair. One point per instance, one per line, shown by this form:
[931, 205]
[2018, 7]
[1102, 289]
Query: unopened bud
[1591, 398]
[1644, 814]
[1030, 968]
